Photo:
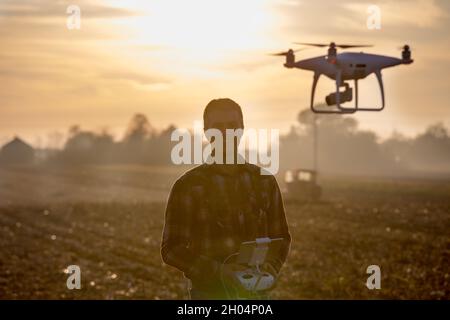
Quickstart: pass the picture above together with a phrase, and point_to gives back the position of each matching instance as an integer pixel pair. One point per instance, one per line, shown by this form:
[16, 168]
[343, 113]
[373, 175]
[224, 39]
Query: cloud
[52, 9]
[289, 3]
[138, 78]
[38, 22]
[416, 13]
[111, 67]
[348, 19]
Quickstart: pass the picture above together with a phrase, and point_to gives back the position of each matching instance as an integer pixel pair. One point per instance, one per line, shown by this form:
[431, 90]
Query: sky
[169, 58]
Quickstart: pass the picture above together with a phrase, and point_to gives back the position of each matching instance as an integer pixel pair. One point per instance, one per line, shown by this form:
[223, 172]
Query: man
[213, 208]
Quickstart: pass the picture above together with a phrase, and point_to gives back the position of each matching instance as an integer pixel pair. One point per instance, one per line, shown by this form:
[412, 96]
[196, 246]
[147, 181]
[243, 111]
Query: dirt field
[108, 220]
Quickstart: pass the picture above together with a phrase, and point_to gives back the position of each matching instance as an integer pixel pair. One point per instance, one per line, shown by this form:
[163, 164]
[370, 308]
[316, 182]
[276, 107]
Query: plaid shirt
[210, 212]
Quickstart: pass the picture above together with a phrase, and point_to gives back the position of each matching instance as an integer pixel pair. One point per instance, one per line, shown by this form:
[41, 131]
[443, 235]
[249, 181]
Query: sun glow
[206, 30]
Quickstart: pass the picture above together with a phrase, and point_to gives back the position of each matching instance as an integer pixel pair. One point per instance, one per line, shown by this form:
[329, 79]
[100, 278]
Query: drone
[344, 67]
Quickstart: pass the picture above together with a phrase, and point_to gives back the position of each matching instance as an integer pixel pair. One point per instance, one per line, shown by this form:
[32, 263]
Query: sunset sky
[168, 58]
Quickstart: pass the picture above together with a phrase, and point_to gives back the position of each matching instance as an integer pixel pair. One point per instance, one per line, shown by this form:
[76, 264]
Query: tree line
[342, 147]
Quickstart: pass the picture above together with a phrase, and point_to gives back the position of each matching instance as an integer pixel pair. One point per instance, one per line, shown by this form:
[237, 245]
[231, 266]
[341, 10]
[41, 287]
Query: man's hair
[222, 104]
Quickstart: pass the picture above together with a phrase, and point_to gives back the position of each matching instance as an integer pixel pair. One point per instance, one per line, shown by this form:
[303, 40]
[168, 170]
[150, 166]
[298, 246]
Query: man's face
[222, 119]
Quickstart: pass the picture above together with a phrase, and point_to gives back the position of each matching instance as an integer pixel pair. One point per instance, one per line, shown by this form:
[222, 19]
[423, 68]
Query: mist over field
[98, 202]
[108, 220]
[342, 148]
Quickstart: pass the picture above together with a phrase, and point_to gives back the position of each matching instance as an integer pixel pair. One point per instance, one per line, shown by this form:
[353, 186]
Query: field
[109, 220]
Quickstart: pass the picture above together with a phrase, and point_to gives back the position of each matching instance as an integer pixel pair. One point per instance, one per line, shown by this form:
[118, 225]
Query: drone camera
[345, 96]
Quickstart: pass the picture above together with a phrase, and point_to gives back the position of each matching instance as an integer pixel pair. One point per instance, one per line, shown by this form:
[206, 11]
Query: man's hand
[267, 267]
[229, 274]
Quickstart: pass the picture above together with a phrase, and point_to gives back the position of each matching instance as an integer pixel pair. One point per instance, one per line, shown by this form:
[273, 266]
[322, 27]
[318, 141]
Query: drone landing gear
[357, 108]
[345, 96]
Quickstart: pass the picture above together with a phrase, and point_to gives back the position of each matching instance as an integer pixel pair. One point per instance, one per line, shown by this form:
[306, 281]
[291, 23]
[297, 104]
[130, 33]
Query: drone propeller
[312, 44]
[346, 46]
[332, 44]
[285, 53]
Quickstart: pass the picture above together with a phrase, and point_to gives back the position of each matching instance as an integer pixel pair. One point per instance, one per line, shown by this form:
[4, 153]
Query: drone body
[343, 67]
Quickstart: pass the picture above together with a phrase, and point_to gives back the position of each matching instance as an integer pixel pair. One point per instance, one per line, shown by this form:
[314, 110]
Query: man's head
[223, 114]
